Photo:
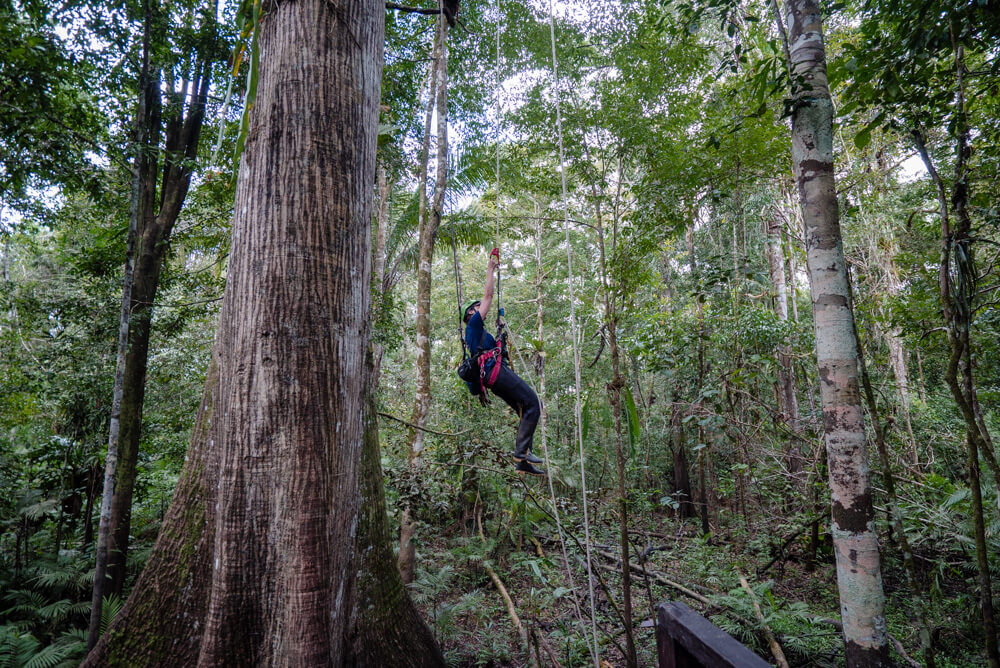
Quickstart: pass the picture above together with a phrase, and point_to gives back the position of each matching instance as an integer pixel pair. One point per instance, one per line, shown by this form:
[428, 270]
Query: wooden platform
[685, 639]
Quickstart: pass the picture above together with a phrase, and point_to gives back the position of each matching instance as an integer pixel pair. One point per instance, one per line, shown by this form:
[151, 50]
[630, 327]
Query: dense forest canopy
[749, 262]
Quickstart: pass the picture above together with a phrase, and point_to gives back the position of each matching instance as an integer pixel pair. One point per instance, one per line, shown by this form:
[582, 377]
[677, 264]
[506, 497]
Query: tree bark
[255, 563]
[957, 296]
[615, 399]
[103, 584]
[859, 576]
[921, 598]
[429, 224]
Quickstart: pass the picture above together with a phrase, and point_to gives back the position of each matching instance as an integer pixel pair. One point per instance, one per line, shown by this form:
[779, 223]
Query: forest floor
[470, 620]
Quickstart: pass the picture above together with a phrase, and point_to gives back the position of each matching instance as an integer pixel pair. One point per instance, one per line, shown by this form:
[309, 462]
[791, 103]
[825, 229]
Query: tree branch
[412, 10]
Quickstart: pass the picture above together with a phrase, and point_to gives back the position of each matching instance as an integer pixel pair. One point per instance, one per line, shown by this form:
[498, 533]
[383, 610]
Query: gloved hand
[495, 253]
[484, 399]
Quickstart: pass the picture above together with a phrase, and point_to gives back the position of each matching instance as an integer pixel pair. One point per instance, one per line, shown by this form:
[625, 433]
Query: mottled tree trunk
[429, 224]
[255, 563]
[105, 582]
[859, 576]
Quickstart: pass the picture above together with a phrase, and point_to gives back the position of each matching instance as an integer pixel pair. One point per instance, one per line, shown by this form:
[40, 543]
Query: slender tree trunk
[682, 480]
[786, 376]
[957, 308]
[106, 525]
[921, 598]
[158, 211]
[379, 261]
[240, 576]
[93, 475]
[428, 233]
[615, 398]
[699, 382]
[859, 575]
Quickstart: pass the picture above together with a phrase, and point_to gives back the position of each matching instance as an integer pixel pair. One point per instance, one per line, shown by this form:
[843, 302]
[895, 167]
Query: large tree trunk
[429, 225]
[859, 575]
[255, 563]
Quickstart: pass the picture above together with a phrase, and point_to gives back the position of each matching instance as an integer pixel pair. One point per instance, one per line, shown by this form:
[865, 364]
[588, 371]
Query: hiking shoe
[530, 458]
[526, 467]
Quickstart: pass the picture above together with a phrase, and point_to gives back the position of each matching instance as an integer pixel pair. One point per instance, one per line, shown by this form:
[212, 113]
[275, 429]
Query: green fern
[17, 647]
[49, 657]
[109, 610]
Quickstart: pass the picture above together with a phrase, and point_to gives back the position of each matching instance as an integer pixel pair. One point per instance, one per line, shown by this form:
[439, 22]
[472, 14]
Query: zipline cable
[577, 410]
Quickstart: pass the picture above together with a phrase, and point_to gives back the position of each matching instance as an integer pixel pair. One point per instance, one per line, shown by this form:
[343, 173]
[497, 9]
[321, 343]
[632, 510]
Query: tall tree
[430, 222]
[859, 575]
[173, 95]
[255, 563]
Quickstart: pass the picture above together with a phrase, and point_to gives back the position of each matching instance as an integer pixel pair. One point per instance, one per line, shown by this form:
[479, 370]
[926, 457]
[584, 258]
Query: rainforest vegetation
[749, 261]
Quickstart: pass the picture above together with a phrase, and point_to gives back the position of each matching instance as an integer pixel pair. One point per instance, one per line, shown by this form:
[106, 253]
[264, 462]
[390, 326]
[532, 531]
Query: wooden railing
[685, 639]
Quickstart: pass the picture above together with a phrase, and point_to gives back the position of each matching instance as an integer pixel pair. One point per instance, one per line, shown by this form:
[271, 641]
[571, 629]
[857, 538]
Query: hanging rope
[458, 281]
[500, 313]
[577, 410]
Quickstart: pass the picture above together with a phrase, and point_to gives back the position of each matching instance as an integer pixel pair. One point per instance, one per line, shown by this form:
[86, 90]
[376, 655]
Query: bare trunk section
[239, 576]
[438, 98]
[921, 598]
[957, 295]
[703, 501]
[615, 398]
[859, 576]
[682, 481]
[543, 418]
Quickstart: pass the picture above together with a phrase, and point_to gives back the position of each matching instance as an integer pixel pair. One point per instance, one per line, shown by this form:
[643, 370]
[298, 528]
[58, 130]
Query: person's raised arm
[484, 305]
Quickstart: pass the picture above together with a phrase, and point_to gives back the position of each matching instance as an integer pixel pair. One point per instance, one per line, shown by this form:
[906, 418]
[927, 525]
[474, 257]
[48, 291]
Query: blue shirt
[479, 340]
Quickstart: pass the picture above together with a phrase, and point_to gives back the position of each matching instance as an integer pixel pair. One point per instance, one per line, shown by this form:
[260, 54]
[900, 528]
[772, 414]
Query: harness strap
[495, 354]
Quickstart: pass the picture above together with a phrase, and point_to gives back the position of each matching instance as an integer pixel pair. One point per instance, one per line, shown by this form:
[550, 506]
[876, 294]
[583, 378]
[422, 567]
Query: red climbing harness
[495, 354]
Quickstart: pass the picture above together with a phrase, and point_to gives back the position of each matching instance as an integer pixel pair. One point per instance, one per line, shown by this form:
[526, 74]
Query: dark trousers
[523, 401]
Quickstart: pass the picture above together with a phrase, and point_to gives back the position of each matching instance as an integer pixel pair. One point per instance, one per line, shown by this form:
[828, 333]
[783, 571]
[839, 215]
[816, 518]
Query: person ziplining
[488, 369]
